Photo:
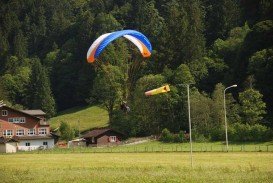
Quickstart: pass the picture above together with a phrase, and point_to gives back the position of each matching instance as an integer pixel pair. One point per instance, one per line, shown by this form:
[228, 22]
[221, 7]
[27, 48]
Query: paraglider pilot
[124, 107]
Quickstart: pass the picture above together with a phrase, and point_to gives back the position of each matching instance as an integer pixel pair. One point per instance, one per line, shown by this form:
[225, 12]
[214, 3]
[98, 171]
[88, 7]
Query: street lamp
[233, 86]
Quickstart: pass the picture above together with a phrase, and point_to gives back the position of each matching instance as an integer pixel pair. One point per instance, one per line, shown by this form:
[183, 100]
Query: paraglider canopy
[140, 40]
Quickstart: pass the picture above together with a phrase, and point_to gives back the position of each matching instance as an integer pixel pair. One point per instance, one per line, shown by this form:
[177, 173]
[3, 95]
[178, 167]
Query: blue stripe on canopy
[118, 34]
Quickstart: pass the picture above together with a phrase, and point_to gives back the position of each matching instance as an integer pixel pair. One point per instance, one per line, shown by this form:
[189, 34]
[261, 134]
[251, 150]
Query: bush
[67, 133]
[178, 137]
[245, 132]
[166, 136]
[260, 132]
[217, 134]
[199, 138]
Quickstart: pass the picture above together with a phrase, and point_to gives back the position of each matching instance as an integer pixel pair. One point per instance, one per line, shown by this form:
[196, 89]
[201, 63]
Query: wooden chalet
[103, 137]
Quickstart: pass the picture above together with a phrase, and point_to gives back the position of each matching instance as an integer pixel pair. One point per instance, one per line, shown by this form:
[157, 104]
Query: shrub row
[239, 132]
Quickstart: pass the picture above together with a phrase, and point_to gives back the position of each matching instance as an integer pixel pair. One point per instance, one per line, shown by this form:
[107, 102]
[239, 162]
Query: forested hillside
[210, 44]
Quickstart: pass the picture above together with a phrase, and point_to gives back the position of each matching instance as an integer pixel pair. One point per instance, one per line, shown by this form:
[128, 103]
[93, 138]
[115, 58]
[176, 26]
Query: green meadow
[83, 118]
[137, 167]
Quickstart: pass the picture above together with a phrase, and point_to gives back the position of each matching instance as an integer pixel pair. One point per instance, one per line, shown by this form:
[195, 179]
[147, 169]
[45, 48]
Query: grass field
[89, 117]
[137, 167]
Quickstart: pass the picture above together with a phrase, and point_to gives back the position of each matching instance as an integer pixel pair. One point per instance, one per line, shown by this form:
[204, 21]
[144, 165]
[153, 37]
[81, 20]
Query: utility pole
[189, 115]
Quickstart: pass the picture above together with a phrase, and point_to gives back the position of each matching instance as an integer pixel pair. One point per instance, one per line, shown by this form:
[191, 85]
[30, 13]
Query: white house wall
[11, 147]
[8, 147]
[35, 144]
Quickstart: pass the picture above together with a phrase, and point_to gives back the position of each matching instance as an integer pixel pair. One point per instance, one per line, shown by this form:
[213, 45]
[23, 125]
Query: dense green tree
[260, 66]
[221, 17]
[107, 88]
[217, 115]
[183, 75]
[15, 80]
[66, 132]
[20, 45]
[255, 11]
[185, 39]
[39, 92]
[252, 106]
[201, 112]
[150, 119]
[194, 41]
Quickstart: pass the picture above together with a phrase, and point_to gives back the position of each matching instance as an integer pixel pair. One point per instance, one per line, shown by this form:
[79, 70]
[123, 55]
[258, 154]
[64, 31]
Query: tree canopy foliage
[208, 44]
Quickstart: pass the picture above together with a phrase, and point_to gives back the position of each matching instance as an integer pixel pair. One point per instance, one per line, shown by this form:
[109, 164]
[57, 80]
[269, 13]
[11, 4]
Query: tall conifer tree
[40, 96]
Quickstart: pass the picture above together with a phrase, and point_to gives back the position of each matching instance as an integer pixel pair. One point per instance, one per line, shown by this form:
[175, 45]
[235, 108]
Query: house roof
[21, 112]
[36, 112]
[97, 132]
[4, 140]
[34, 137]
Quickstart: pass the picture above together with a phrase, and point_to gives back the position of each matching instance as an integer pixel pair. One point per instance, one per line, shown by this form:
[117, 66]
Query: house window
[42, 131]
[27, 143]
[22, 120]
[8, 132]
[44, 143]
[4, 112]
[113, 138]
[20, 132]
[17, 120]
[31, 131]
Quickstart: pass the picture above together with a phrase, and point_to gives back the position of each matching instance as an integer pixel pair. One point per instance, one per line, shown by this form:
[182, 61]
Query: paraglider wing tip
[90, 59]
[146, 54]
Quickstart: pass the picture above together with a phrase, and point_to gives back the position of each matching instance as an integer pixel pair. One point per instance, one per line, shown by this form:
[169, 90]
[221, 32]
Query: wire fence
[156, 149]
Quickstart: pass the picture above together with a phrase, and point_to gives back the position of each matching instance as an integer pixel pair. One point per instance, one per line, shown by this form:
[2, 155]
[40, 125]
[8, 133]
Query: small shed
[76, 142]
[103, 137]
[8, 145]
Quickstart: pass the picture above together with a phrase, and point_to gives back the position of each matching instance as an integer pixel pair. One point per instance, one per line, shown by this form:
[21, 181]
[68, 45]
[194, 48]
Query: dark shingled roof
[97, 132]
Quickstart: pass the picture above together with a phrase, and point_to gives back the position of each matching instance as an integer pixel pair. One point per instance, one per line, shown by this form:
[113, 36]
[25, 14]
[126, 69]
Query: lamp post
[232, 86]
[189, 116]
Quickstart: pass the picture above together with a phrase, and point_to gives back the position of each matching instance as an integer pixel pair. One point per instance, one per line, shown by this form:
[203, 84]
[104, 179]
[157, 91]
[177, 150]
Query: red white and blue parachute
[141, 41]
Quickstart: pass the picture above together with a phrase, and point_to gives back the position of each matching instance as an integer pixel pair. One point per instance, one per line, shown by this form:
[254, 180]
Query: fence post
[211, 148]
[241, 148]
[267, 148]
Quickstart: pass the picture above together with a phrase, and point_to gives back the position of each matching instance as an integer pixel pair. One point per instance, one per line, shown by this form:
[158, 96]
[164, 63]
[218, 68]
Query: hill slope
[88, 117]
